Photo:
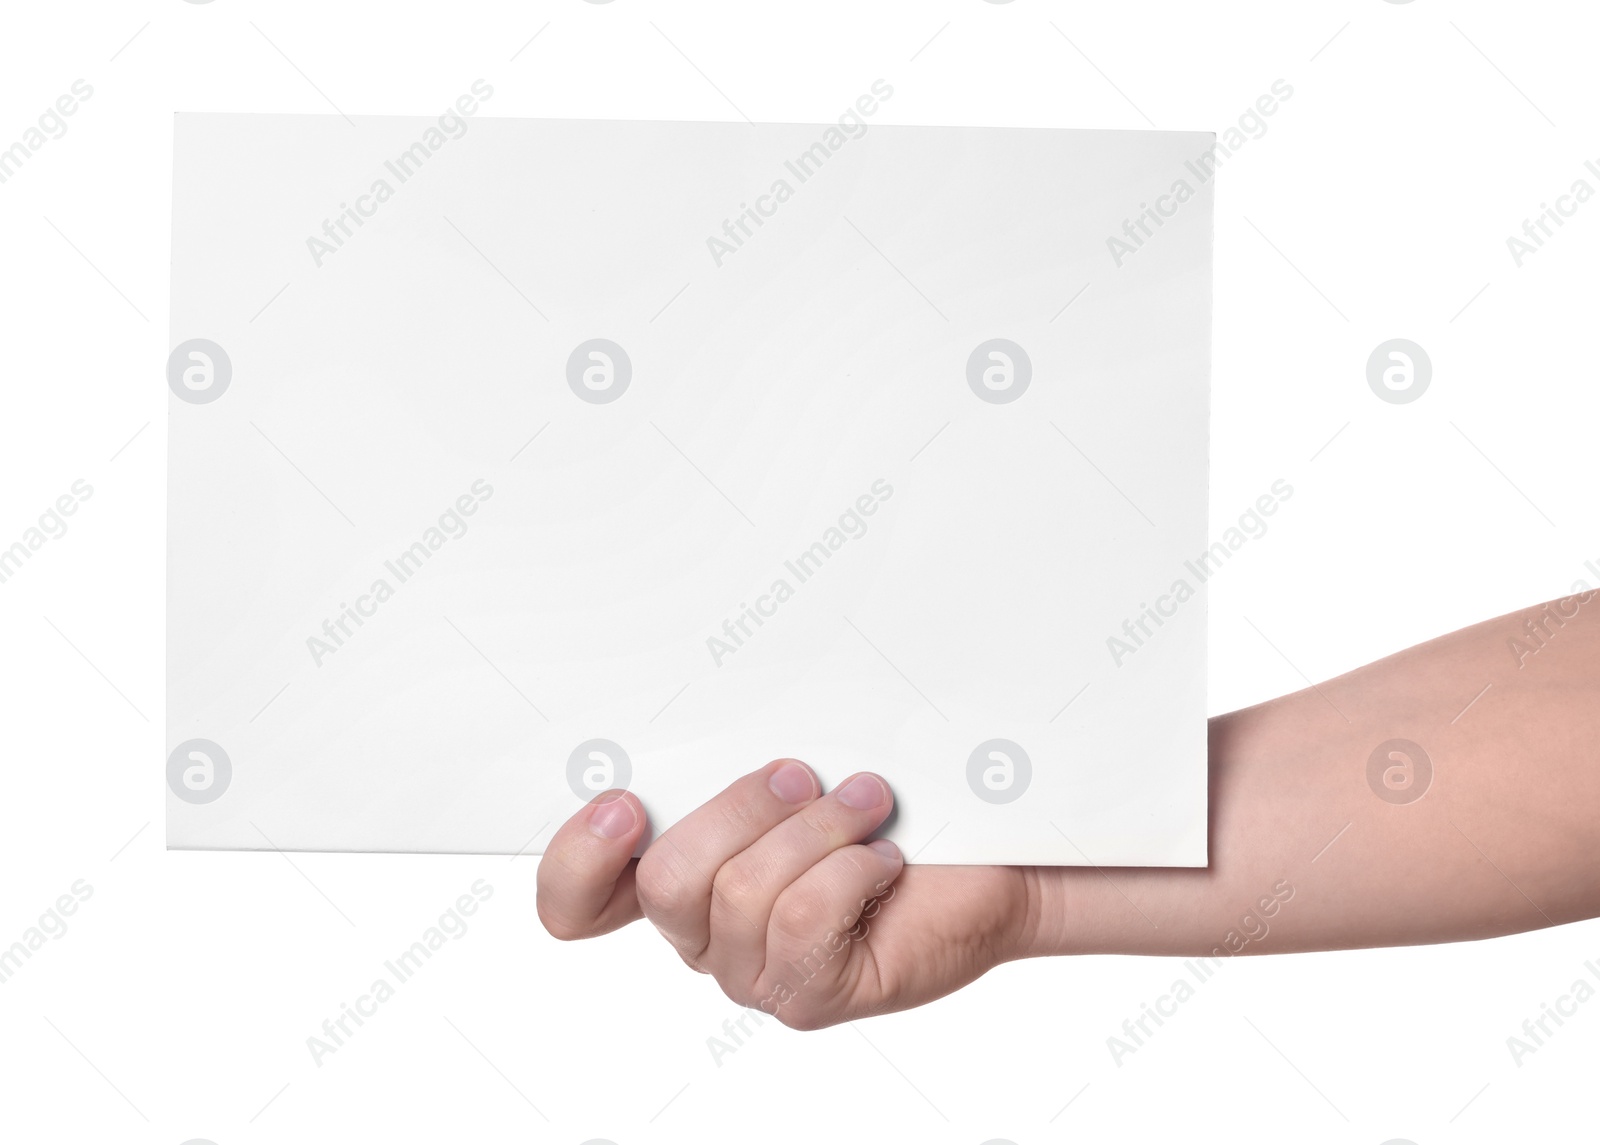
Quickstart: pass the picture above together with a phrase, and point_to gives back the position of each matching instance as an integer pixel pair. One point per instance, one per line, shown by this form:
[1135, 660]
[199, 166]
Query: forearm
[1307, 855]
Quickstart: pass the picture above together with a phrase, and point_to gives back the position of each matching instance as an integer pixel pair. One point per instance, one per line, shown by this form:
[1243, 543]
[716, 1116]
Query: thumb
[586, 877]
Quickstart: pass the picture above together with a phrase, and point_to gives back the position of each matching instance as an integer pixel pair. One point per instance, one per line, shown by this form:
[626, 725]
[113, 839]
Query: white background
[1376, 205]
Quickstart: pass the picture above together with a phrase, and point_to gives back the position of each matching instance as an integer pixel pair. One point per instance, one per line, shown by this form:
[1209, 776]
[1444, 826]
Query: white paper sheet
[900, 466]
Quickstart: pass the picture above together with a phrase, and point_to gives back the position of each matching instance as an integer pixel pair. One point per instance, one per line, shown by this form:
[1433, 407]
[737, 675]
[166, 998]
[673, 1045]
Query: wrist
[1042, 925]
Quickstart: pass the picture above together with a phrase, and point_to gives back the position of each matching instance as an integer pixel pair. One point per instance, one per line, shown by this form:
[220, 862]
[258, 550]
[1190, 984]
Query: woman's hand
[770, 889]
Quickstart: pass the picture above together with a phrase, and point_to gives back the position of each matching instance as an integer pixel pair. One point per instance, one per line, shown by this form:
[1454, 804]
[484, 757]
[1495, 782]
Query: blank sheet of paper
[513, 460]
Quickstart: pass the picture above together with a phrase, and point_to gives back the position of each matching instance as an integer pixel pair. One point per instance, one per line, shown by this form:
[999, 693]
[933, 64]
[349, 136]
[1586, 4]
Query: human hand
[770, 889]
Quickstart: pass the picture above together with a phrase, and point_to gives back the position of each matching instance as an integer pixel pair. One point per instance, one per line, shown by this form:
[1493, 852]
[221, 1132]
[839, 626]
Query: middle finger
[675, 875]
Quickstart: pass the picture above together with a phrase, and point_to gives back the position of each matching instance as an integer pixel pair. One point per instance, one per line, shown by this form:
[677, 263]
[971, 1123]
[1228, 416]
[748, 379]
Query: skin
[765, 886]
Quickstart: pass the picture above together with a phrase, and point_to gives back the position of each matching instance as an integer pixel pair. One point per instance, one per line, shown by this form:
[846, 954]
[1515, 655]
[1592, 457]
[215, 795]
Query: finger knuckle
[860, 863]
[827, 821]
[659, 885]
[795, 1010]
[742, 815]
[801, 916]
[738, 881]
[791, 1000]
[798, 1016]
[694, 960]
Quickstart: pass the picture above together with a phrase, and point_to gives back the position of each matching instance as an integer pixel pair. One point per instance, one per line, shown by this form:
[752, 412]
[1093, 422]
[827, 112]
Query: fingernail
[885, 848]
[863, 792]
[612, 819]
[792, 783]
